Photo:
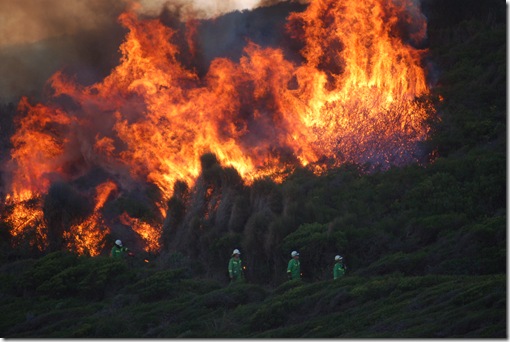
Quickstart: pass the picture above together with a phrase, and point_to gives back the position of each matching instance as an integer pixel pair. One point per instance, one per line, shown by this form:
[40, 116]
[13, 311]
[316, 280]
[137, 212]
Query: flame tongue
[351, 100]
[88, 237]
[149, 233]
[360, 81]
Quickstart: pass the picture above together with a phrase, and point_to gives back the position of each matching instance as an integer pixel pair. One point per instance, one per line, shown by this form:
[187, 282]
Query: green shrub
[90, 278]
[232, 296]
[422, 231]
[269, 316]
[403, 263]
[198, 286]
[106, 275]
[375, 289]
[287, 286]
[45, 268]
[63, 206]
[158, 286]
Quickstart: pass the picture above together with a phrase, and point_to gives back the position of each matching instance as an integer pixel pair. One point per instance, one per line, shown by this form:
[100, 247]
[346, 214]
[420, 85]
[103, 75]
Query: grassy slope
[110, 300]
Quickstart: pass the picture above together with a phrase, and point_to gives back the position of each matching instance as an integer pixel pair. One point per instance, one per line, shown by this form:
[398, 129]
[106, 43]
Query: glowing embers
[26, 219]
[88, 237]
[361, 81]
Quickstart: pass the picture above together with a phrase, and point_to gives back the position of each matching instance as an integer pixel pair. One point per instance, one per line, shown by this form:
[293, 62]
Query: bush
[269, 316]
[423, 231]
[63, 207]
[317, 249]
[105, 276]
[232, 296]
[46, 268]
[401, 263]
[90, 278]
[158, 286]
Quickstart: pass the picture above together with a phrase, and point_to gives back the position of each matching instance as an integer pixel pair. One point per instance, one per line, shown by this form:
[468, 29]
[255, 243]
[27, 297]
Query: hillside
[425, 244]
[62, 296]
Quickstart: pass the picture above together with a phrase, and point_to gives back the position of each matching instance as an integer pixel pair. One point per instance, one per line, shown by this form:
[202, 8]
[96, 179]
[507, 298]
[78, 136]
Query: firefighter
[235, 267]
[294, 266]
[119, 251]
[339, 268]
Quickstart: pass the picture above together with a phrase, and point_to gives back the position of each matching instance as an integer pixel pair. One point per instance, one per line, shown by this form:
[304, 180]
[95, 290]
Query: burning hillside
[349, 93]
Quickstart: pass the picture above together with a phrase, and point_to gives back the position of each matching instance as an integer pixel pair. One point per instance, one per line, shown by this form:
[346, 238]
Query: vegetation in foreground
[62, 295]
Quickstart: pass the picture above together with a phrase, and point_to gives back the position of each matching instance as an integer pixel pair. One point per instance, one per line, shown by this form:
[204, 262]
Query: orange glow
[351, 99]
[88, 237]
[25, 216]
[147, 232]
[38, 146]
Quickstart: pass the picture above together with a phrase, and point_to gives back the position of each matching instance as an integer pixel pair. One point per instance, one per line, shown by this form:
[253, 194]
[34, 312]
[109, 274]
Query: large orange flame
[38, 146]
[352, 99]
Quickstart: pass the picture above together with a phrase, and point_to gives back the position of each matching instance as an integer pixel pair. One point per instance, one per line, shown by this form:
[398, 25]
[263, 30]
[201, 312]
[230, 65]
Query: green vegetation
[102, 297]
[424, 245]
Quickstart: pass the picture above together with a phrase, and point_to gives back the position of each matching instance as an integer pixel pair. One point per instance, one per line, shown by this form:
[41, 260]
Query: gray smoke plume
[38, 38]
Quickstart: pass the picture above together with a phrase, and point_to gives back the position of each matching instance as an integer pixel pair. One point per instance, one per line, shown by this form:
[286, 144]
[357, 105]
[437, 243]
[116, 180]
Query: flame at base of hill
[353, 97]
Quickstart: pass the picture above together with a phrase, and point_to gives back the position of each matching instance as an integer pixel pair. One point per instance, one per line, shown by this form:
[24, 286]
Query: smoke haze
[28, 21]
[38, 38]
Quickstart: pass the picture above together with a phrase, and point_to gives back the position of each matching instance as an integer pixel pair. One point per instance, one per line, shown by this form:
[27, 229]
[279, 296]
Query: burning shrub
[351, 97]
[63, 207]
[175, 213]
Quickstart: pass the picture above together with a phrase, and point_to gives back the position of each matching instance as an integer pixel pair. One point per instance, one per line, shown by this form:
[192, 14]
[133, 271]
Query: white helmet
[338, 257]
[236, 251]
[294, 253]
[118, 243]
